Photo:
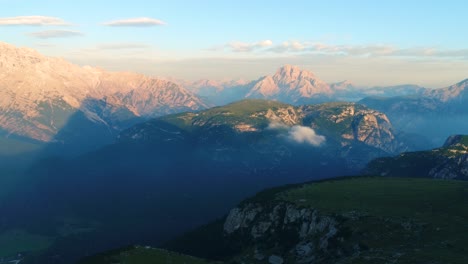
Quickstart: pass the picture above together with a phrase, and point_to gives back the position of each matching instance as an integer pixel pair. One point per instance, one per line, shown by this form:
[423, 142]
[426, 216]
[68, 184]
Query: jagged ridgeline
[347, 220]
[447, 162]
[53, 101]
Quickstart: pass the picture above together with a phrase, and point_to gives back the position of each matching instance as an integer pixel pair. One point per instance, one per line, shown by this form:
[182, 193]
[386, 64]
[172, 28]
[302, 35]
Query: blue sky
[366, 42]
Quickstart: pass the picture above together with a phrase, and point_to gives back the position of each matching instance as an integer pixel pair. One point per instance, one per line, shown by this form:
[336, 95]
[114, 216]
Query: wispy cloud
[375, 50]
[47, 34]
[45, 45]
[238, 46]
[120, 46]
[32, 21]
[136, 22]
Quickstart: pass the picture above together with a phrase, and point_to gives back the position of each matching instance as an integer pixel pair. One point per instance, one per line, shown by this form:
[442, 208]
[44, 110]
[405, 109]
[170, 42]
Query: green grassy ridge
[142, 255]
[438, 209]
[418, 163]
[17, 240]
[250, 111]
[391, 197]
[230, 114]
[436, 212]
[464, 140]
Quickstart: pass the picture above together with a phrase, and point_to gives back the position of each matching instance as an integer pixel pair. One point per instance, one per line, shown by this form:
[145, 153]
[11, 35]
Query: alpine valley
[159, 170]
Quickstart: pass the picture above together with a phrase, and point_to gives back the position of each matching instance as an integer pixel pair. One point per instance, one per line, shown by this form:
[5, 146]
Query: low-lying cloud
[298, 134]
[303, 134]
[136, 22]
[277, 126]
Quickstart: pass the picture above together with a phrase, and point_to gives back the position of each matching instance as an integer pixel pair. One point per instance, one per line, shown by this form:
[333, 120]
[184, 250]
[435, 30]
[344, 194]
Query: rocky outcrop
[355, 122]
[309, 235]
[455, 167]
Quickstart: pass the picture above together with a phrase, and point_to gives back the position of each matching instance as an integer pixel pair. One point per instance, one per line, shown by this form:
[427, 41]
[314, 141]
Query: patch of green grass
[16, 240]
[464, 140]
[143, 255]
[424, 220]
[386, 196]
[230, 114]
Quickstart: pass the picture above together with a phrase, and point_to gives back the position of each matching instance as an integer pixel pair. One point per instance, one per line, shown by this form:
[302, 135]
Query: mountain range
[46, 100]
[41, 95]
[436, 114]
[293, 85]
[112, 150]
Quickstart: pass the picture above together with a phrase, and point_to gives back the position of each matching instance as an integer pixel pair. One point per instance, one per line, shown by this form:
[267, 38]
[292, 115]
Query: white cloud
[46, 34]
[32, 21]
[248, 47]
[302, 134]
[136, 22]
[264, 43]
[298, 134]
[275, 125]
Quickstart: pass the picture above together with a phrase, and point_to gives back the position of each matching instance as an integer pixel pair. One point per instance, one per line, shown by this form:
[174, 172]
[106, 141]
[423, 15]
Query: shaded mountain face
[448, 162]
[435, 114]
[349, 220]
[172, 173]
[40, 95]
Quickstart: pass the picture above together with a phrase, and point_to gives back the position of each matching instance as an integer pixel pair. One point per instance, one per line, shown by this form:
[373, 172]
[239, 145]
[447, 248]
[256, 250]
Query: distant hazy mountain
[435, 114]
[293, 85]
[448, 162]
[218, 92]
[41, 96]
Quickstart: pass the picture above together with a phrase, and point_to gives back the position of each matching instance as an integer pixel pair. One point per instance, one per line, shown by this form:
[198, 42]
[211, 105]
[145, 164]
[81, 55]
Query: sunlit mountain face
[215, 132]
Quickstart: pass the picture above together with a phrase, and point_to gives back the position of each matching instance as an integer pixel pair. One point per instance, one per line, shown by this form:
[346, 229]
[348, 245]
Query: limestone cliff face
[288, 233]
[354, 122]
[38, 94]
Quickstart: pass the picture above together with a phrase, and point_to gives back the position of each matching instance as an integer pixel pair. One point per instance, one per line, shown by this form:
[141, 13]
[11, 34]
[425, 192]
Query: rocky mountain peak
[289, 84]
[292, 72]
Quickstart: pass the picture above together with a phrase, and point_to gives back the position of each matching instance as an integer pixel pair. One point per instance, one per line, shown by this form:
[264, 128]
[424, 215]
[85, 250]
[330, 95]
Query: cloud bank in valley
[299, 134]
